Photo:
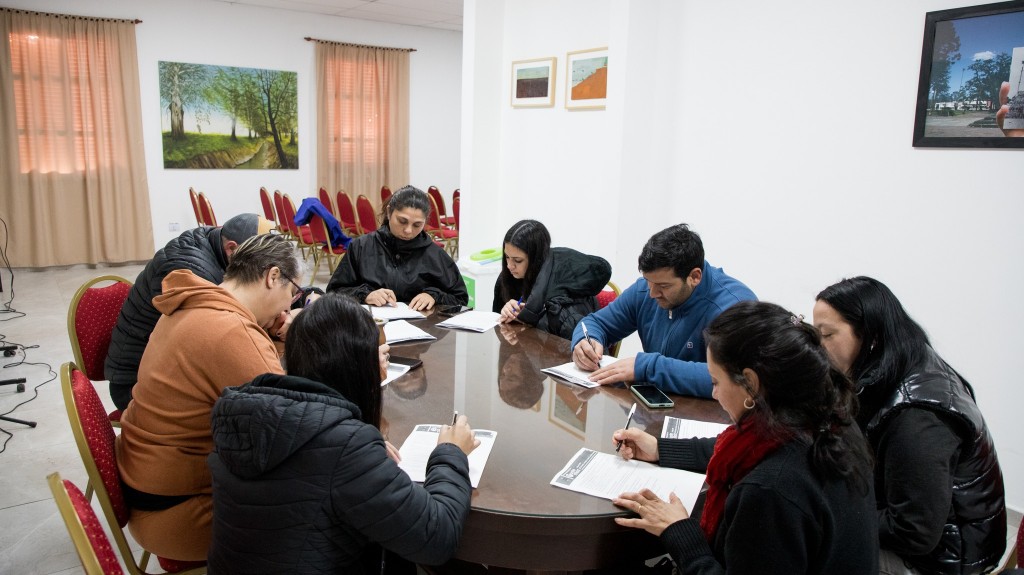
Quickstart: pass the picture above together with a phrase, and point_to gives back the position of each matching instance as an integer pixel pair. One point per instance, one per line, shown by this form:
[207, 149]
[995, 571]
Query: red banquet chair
[91, 543]
[195, 206]
[268, 206]
[367, 219]
[301, 234]
[282, 225]
[328, 203]
[347, 214]
[321, 236]
[206, 209]
[95, 440]
[92, 316]
[605, 297]
[447, 238]
[385, 195]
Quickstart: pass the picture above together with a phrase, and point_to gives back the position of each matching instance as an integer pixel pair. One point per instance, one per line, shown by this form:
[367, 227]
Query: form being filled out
[607, 475]
[421, 442]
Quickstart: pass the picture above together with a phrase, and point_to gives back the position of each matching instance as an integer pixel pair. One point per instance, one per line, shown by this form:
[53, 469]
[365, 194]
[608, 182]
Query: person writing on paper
[400, 261]
[789, 482]
[939, 489]
[677, 297]
[302, 477]
[545, 287]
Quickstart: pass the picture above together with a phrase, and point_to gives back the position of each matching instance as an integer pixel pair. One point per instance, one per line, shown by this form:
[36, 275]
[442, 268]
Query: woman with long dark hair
[302, 478]
[548, 288]
[400, 262]
[789, 482]
[939, 488]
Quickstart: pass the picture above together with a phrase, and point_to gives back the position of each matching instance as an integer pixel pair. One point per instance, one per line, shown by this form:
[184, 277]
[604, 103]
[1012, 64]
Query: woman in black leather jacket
[938, 485]
[549, 288]
[400, 262]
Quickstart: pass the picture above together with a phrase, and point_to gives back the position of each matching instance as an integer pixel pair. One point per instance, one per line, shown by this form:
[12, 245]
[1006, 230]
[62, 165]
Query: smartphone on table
[651, 396]
[450, 310]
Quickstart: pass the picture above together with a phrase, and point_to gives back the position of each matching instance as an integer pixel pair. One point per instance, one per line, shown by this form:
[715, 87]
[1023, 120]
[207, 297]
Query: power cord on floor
[23, 360]
[6, 307]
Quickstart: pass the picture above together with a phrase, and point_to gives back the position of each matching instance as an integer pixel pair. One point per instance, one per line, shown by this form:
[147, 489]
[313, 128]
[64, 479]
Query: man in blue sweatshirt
[677, 297]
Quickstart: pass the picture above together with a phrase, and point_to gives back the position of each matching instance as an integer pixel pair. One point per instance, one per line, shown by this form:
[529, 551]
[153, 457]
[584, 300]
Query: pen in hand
[629, 419]
[455, 417]
[586, 334]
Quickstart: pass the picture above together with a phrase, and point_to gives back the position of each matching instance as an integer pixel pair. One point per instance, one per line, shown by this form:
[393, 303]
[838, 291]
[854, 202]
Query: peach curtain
[362, 118]
[72, 165]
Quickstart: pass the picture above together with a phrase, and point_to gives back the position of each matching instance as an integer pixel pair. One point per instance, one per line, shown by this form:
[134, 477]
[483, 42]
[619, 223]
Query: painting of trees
[225, 99]
[988, 76]
[947, 53]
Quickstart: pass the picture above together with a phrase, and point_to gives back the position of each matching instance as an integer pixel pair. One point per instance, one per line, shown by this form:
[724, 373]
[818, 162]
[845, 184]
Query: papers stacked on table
[606, 475]
[573, 374]
[401, 330]
[421, 443]
[395, 371]
[479, 321]
[678, 428]
[398, 311]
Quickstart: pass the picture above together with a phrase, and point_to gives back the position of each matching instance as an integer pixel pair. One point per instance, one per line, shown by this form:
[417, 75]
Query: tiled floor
[32, 536]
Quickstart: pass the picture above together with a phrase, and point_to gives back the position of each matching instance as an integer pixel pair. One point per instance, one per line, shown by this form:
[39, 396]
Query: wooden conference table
[518, 519]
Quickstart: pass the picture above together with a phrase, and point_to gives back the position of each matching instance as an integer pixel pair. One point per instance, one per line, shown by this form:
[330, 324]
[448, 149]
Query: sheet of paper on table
[421, 443]
[395, 371]
[474, 320]
[401, 330]
[607, 475]
[399, 310]
[573, 374]
[678, 428]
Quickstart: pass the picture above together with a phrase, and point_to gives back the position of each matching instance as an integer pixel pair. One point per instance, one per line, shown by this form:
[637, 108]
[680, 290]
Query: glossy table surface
[518, 520]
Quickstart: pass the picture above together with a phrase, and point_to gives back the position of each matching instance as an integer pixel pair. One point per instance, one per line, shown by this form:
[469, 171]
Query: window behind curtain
[66, 141]
[362, 120]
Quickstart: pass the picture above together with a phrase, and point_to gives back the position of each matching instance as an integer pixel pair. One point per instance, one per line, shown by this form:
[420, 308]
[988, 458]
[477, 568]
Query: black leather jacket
[408, 268]
[974, 536]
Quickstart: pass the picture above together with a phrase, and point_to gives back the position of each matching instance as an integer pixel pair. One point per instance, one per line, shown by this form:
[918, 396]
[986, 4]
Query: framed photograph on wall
[533, 83]
[586, 85]
[971, 89]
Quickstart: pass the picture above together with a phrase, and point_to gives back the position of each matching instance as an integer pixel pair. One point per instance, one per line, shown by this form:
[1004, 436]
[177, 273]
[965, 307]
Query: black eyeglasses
[298, 293]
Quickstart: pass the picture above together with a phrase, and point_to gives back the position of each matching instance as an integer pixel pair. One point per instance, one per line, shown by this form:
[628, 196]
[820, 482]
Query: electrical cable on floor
[35, 389]
[6, 306]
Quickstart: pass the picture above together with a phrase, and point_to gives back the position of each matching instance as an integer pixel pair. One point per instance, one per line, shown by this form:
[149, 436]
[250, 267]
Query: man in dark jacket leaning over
[205, 251]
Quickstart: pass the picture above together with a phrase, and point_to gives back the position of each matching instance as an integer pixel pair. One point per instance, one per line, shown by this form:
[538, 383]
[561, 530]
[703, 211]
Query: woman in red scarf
[789, 487]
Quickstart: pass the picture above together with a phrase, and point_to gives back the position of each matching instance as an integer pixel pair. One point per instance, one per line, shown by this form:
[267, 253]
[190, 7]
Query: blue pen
[519, 306]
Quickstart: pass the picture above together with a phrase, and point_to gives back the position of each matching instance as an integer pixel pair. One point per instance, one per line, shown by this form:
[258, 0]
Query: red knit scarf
[738, 450]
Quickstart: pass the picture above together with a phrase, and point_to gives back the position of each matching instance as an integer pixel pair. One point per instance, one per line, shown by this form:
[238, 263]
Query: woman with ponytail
[789, 482]
[940, 504]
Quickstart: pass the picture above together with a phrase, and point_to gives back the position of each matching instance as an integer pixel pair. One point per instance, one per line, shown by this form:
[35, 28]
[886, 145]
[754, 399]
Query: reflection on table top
[494, 378]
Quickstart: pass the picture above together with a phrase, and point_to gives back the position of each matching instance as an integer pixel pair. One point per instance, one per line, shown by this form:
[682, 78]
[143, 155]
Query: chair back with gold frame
[282, 226]
[301, 234]
[206, 209]
[448, 238]
[195, 206]
[92, 316]
[385, 195]
[367, 219]
[322, 237]
[91, 543]
[347, 214]
[328, 203]
[268, 206]
[605, 297]
[95, 439]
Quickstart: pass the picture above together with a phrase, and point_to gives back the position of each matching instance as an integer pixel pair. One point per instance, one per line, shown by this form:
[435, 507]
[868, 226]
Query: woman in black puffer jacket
[303, 481]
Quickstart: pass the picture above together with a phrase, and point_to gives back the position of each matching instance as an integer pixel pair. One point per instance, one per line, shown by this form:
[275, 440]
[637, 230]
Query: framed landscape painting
[533, 83]
[586, 86]
[971, 88]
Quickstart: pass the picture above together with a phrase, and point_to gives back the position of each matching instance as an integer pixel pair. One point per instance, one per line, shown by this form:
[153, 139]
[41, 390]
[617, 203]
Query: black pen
[629, 420]
[587, 336]
[455, 417]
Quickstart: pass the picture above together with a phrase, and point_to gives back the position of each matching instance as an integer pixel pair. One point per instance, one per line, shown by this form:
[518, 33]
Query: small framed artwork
[971, 89]
[586, 86]
[533, 83]
[566, 410]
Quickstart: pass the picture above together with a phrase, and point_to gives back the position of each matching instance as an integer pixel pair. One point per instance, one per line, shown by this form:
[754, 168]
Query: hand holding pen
[636, 444]
[511, 310]
[588, 353]
[629, 419]
[459, 434]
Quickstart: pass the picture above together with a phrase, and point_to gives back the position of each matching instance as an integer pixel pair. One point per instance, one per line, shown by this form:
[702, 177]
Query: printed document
[475, 320]
[421, 443]
[398, 311]
[401, 330]
[678, 428]
[606, 475]
[395, 371]
[573, 374]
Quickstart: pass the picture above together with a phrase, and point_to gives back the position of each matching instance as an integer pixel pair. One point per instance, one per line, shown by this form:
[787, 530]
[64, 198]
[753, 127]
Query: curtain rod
[71, 16]
[308, 39]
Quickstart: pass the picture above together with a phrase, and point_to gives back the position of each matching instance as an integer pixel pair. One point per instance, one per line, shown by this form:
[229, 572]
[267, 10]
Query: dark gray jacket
[199, 250]
[301, 485]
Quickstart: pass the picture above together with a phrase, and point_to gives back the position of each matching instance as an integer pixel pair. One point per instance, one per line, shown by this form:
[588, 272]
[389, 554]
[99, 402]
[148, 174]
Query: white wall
[781, 132]
[225, 34]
